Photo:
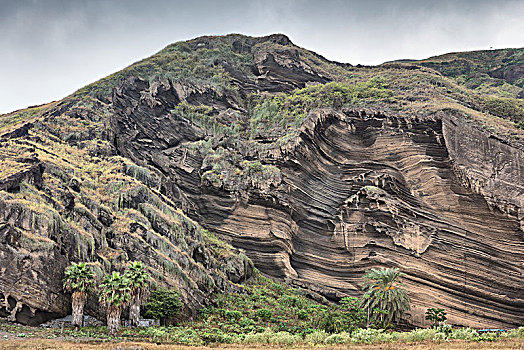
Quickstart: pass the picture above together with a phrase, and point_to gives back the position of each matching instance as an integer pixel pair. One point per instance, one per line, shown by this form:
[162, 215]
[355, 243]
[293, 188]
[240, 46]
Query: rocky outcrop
[362, 191]
[488, 166]
[52, 213]
[434, 196]
[31, 291]
[314, 202]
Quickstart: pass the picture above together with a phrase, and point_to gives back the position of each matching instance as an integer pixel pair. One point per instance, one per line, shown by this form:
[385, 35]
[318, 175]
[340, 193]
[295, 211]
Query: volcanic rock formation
[404, 171]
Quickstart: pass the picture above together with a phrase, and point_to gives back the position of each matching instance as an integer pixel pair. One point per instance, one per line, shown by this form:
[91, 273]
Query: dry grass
[12, 120]
[48, 344]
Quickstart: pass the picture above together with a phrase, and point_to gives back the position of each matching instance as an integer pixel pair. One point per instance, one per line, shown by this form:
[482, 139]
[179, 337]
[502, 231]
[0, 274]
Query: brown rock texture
[425, 181]
[435, 197]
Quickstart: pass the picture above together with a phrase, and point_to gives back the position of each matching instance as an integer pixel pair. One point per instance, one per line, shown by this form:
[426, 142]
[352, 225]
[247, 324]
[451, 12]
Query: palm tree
[138, 280]
[78, 279]
[385, 292]
[115, 293]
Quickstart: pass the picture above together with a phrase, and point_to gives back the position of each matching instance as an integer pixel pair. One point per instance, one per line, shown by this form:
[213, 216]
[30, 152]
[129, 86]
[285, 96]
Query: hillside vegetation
[141, 164]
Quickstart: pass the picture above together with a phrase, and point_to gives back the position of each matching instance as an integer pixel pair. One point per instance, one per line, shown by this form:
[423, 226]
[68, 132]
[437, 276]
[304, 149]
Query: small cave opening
[27, 317]
[11, 301]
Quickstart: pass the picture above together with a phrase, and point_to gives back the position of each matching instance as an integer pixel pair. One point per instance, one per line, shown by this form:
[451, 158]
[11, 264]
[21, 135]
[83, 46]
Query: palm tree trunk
[78, 300]
[113, 320]
[134, 310]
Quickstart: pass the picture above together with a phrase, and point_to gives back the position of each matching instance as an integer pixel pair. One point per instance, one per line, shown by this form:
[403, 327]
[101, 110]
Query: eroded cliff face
[434, 196]
[390, 176]
[66, 196]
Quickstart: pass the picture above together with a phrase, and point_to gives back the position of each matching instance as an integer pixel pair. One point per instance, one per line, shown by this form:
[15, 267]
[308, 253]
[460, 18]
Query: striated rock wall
[488, 167]
[366, 191]
[356, 191]
[130, 175]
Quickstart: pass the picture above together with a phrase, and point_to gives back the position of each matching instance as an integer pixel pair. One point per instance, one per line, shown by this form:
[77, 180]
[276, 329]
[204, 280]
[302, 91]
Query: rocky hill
[223, 152]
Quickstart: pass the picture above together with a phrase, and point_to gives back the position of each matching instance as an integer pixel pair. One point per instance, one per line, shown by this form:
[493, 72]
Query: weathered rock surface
[435, 197]
[352, 189]
[50, 217]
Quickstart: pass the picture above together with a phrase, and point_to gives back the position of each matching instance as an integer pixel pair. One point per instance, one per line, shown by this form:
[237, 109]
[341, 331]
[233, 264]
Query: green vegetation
[13, 118]
[182, 62]
[278, 112]
[163, 304]
[204, 117]
[490, 72]
[508, 108]
[138, 281]
[269, 305]
[78, 279]
[436, 315]
[275, 114]
[115, 293]
[384, 291]
[270, 313]
[459, 338]
[240, 144]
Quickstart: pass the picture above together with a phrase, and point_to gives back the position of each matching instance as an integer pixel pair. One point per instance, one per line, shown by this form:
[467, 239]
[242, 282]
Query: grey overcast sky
[50, 48]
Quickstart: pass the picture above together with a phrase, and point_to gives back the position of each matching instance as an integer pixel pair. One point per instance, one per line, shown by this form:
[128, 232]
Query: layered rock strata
[315, 202]
[433, 196]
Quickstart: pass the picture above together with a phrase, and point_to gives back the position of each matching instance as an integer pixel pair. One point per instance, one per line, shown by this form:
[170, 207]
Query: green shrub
[444, 328]
[155, 333]
[388, 337]
[332, 321]
[439, 336]
[291, 301]
[264, 314]
[277, 287]
[508, 108]
[366, 336]
[436, 316]
[205, 312]
[338, 338]
[317, 337]
[302, 314]
[284, 110]
[353, 315]
[520, 332]
[163, 304]
[514, 333]
[237, 338]
[305, 331]
[186, 336]
[284, 339]
[246, 322]
[489, 336]
[215, 335]
[259, 338]
[464, 334]
[233, 315]
[283, 326]
[418, 335]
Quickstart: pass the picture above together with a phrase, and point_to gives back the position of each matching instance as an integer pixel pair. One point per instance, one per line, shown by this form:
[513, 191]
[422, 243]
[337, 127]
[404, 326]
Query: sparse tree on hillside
[163, 304]
[115, 293]
[384, 291]
[79, 280]
[138, 281]
[436, 315]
